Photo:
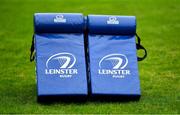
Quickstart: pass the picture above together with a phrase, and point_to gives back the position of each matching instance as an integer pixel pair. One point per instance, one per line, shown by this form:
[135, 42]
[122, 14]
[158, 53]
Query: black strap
[32, 50]
[139, 47]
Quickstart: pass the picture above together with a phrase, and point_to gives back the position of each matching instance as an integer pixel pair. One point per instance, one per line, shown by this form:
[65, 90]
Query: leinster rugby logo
[115, 65]
[59, 19]
[112, 20]
[61, 64]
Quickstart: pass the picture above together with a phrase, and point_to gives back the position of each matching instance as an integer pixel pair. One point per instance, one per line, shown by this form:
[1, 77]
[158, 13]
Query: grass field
[158, 25]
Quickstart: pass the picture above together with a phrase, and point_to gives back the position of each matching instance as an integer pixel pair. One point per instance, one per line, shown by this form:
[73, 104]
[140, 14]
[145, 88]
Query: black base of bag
[64, 98]
[115, 98]
[80, 98]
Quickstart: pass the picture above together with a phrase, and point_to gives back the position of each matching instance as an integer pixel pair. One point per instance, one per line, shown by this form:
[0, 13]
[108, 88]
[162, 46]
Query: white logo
[114, 64]
[64, 59]
[112, 20]
[116, 60]
[60, 19]
[61, 63]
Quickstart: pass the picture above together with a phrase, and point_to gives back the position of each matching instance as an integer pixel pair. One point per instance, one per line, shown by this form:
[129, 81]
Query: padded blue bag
[59, 55]
[112, 56]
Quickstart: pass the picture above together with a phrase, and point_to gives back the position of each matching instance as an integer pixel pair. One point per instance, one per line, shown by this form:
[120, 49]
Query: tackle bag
[59, 54]
[112, 56]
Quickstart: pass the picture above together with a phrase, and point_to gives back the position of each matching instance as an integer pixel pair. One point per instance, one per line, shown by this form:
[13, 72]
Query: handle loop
[140, 47]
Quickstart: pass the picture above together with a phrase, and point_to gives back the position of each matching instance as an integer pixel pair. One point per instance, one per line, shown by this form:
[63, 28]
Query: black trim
[32, 50]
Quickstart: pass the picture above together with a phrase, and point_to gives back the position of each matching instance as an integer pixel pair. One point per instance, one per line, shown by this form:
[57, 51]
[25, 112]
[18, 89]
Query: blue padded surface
[113, 62]
[60, 62]
[48, 45]
[113, 25]
[58, 23]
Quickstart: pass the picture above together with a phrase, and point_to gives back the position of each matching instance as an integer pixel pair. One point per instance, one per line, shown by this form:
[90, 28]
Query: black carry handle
[139, 47]
[32, 50]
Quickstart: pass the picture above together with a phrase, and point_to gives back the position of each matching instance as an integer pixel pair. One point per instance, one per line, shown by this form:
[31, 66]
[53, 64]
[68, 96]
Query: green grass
[158, 25]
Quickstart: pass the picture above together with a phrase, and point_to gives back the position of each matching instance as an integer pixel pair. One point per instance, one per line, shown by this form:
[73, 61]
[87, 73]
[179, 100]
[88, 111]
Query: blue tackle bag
[58, 44]
[112, 56]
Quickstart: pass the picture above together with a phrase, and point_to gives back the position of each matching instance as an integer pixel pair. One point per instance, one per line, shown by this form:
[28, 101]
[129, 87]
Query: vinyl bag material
[60, 55]
[112, 56]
